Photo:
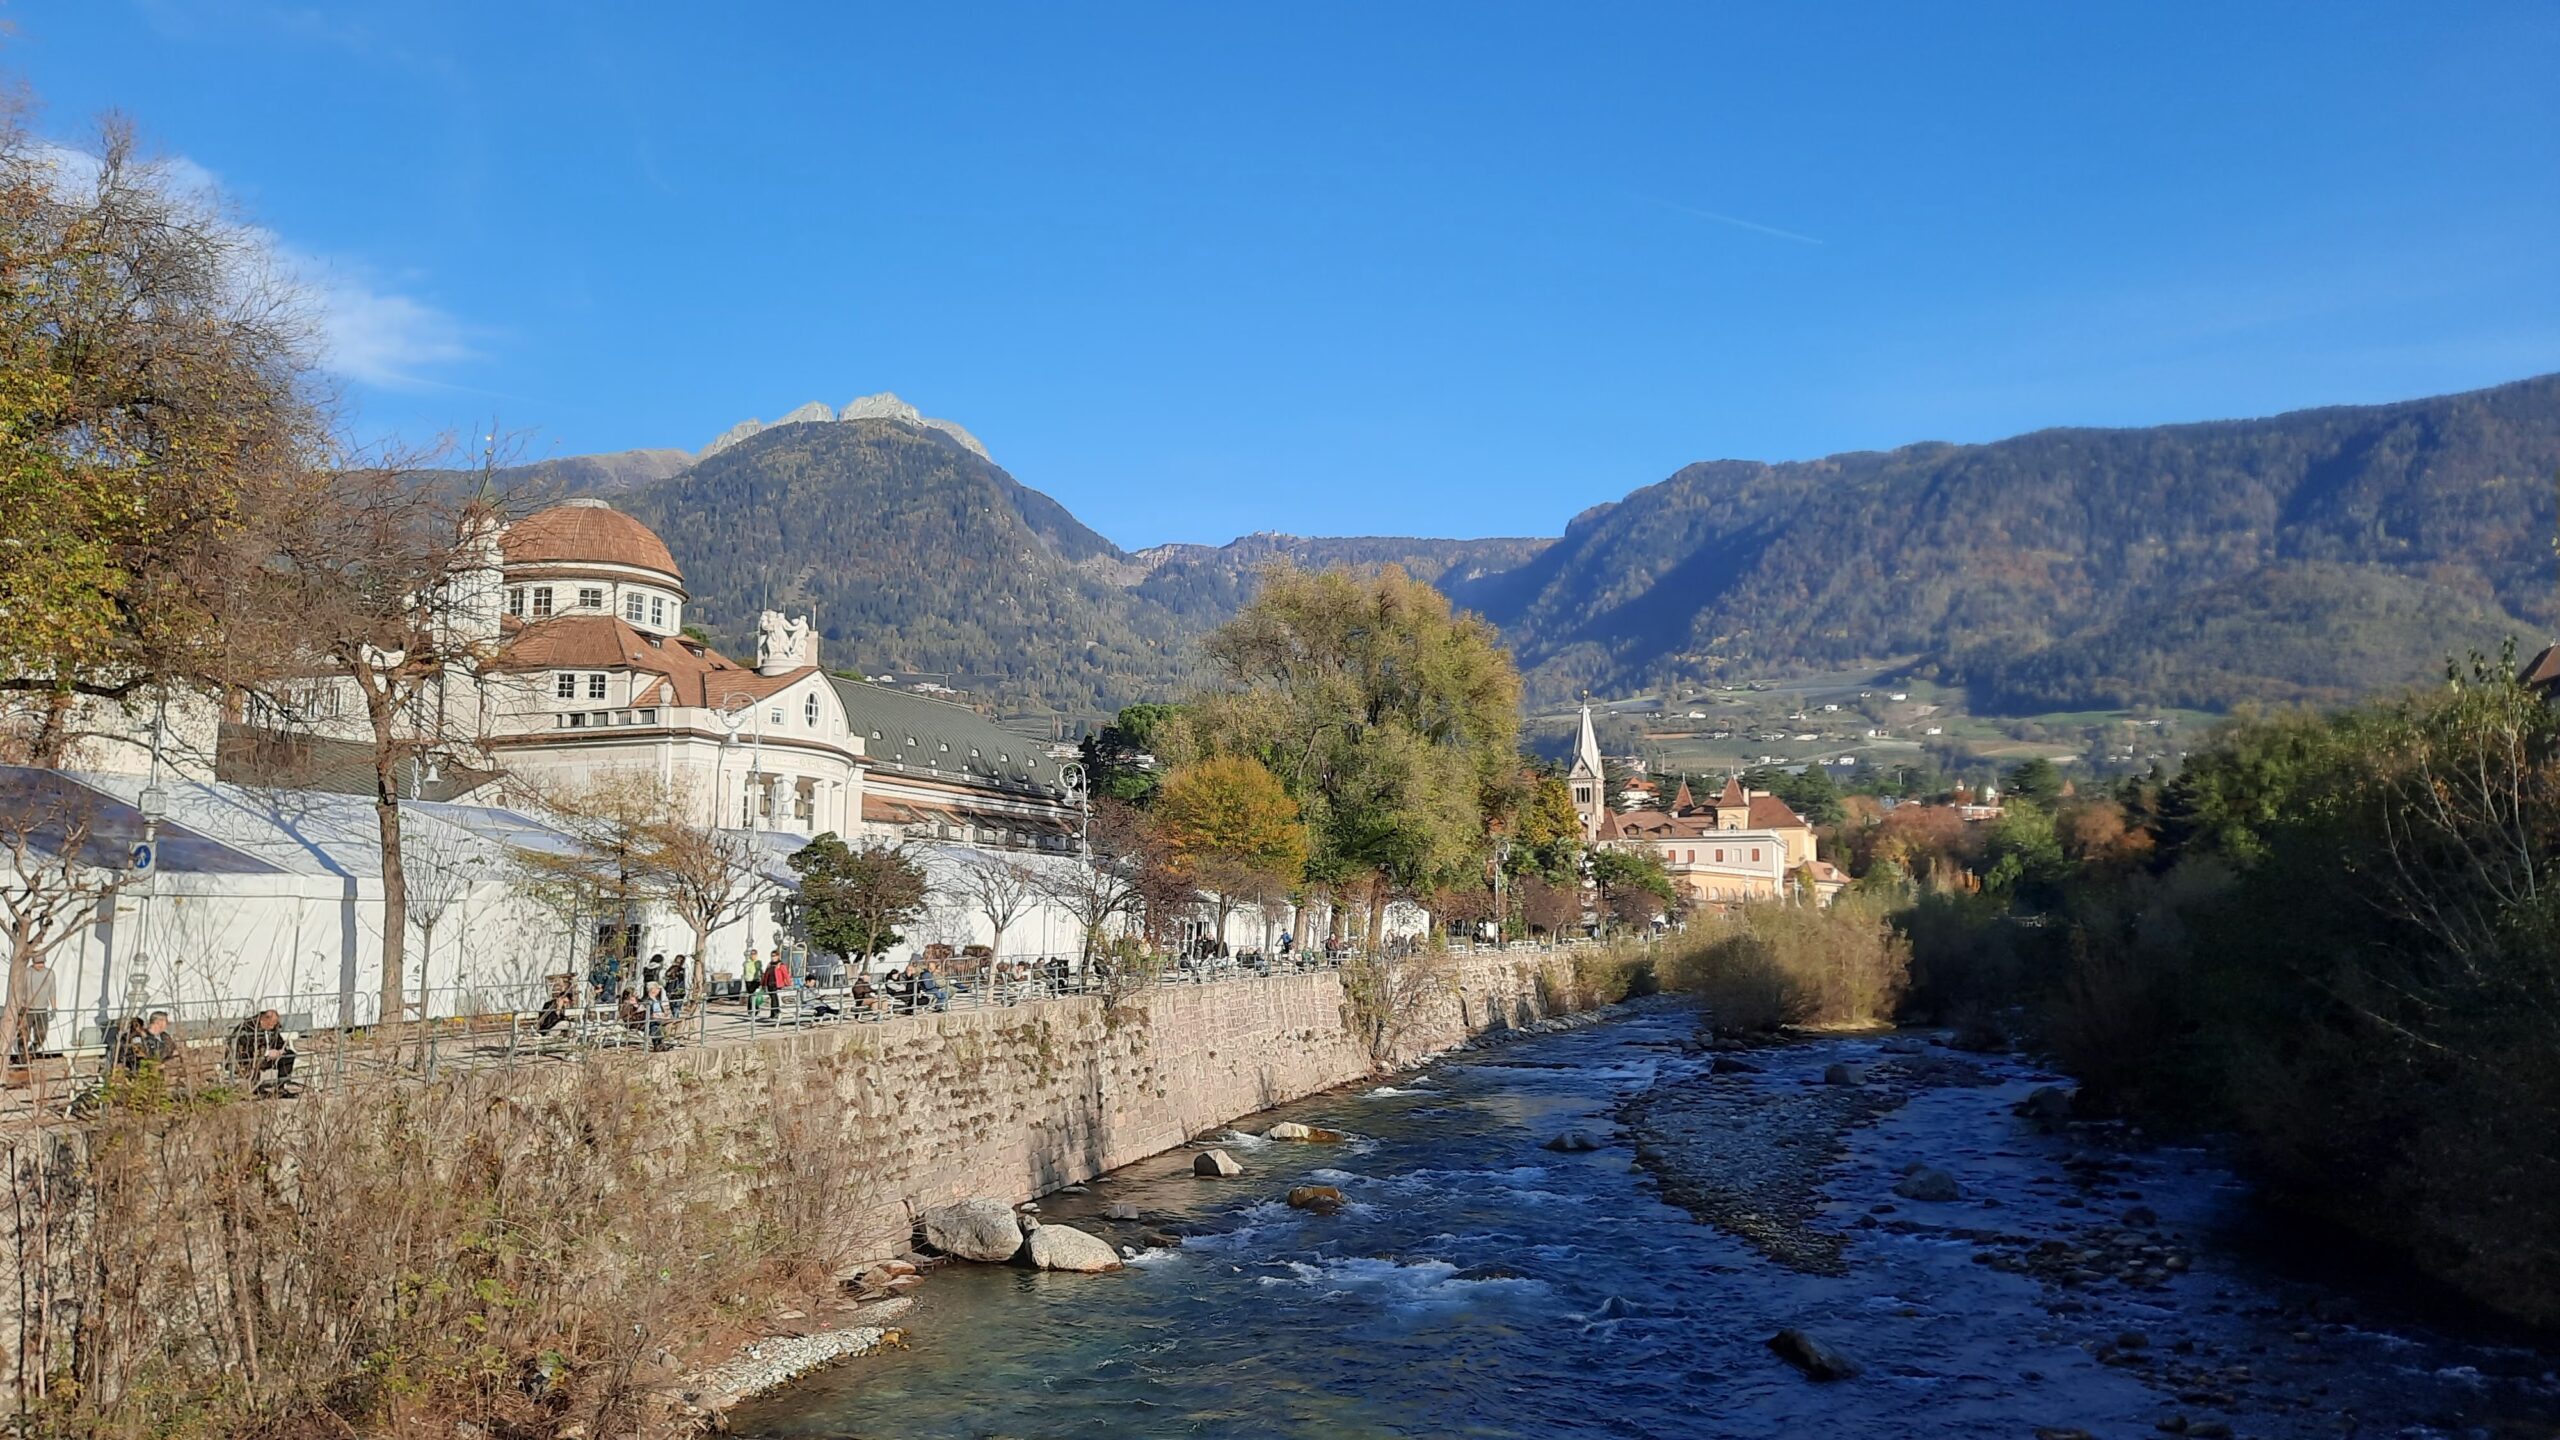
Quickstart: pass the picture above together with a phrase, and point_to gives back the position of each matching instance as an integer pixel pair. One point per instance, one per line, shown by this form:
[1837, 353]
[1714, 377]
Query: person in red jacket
[777, 978]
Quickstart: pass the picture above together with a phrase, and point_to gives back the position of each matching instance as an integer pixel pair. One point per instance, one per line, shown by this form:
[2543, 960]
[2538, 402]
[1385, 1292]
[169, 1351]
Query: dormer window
[565, 685]
[595, 686]
[515, 602]
[590, 597]
[658, 611]
[539, 603]
[633, 607]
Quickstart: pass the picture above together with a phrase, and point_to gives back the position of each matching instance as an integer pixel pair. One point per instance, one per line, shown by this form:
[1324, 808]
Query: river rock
[1119, 1210]
[1728, 1065]
[1064, 1247]
[1216, 1165]
[1573, 1142]
[1840, 1073]
[1923, 1182]
[2046, 1102]
[982, 1229]
[1322, 1199]
[1817, 1360]
[1288, 1130]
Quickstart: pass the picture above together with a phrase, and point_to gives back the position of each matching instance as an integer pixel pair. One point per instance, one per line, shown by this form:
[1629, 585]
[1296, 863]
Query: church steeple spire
[1589, 784]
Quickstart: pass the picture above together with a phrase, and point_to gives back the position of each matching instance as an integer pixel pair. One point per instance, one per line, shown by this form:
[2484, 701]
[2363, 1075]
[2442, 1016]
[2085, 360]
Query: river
[1478, 1284]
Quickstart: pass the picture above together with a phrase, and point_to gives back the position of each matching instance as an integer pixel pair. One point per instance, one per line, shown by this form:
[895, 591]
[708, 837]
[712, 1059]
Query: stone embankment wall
[1016, 1101]
[836, 1137]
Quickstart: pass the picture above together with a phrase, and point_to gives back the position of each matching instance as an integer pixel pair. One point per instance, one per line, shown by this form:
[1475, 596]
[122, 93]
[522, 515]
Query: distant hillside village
[1744, 845]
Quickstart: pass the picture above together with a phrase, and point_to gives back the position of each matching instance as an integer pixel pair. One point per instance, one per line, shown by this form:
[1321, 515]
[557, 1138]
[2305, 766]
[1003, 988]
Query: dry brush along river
[2079, 1281]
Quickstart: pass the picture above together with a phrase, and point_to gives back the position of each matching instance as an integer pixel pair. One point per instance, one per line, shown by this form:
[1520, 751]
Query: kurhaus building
[596, 675]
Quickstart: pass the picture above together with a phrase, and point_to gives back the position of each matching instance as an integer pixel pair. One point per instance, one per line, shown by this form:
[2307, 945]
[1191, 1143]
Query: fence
[73, 1056]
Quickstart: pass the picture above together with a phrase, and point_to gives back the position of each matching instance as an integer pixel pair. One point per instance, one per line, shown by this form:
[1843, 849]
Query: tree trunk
[395, 892]
[53, 734]
[13, 1012]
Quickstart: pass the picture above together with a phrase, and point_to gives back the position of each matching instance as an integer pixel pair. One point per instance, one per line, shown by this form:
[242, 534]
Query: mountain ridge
[2334, 550]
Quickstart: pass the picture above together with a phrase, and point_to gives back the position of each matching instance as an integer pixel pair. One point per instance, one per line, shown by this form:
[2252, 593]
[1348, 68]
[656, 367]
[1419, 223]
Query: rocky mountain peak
[883, 406]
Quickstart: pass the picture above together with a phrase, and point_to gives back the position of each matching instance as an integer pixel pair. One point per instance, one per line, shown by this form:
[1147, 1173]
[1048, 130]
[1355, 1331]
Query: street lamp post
[153, 806]
[738, 710]
[1072, 779]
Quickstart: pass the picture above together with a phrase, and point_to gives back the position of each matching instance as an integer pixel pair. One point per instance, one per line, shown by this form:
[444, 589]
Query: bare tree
[386, 578]
[710, 876]
[56, 876]
[614, 873]
[1001, 888]
[442, 864]
[1104, 887]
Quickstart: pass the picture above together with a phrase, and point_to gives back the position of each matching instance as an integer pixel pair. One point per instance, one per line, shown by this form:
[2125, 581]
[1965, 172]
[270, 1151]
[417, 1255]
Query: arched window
[809, 709]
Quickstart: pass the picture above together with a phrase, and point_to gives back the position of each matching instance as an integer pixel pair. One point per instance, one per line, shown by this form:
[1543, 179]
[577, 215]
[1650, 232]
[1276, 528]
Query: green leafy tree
[2038, 781]
[1387, 715]
[854, 898]
[1810, 794]
[156, 401]
[1119, 758]
[1632, 884]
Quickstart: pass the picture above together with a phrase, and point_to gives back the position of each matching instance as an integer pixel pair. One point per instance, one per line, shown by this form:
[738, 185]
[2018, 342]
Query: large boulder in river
[983, 1229]
[1322, 1199]
[1817, 1360]
[2045, 1102]
[1064, 1247]
[1216, 1165]
[1573, 1142]
[1288, 1130]
[1922, 1182]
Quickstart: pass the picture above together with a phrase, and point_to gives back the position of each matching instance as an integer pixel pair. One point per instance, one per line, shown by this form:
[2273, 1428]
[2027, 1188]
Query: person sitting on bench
[261, 1055]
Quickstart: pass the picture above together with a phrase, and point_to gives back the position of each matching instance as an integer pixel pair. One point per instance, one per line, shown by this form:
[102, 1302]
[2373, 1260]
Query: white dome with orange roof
[585, 557]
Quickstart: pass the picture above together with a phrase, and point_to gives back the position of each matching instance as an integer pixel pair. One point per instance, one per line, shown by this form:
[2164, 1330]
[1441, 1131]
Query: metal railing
[75, 1058]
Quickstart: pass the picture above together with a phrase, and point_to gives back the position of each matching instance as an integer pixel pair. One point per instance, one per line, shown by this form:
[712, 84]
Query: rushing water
[1480, 1285]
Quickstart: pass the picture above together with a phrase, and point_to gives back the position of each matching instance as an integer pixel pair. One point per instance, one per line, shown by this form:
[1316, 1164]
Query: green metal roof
[924, 736]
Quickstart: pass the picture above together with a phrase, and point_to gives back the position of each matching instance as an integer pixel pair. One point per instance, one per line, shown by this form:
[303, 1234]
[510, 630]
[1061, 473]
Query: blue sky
[1197, 270]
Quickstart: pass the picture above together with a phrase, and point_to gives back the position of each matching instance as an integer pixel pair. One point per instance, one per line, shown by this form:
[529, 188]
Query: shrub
[401, 1259]
[1767, 965]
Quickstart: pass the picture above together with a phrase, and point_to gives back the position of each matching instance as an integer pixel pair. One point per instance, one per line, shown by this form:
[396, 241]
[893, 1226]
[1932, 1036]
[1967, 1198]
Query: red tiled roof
[2542, 672]
[1768, 812]
[590, 532]
[688, 673]
[1733, 794]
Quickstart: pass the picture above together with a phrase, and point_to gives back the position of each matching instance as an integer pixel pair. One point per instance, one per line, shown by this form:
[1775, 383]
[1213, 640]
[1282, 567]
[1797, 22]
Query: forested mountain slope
[2325, 551]
[2310, 556]
[916, 554]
